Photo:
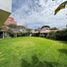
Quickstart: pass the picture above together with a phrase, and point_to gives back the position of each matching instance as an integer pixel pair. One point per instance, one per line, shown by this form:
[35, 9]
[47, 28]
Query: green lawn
[32, 52]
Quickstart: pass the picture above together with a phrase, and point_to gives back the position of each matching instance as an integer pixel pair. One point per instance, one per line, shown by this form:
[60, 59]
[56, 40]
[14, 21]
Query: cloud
[38, 12]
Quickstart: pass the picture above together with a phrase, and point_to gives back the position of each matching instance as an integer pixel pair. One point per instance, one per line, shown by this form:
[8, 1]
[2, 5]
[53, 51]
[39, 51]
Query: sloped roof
[3, 16]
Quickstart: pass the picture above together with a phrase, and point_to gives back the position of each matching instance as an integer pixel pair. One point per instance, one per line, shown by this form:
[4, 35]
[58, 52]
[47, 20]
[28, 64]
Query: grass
[32, 52]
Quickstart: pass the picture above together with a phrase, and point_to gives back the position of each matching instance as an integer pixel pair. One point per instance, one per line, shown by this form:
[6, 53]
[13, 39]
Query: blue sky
[35, 13]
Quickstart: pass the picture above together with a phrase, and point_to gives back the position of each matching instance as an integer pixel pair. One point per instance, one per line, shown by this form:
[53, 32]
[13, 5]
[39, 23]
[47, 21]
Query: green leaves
[61, 6]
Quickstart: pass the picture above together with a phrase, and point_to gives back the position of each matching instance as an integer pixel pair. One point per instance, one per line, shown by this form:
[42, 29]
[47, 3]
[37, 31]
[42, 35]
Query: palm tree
[60, 7]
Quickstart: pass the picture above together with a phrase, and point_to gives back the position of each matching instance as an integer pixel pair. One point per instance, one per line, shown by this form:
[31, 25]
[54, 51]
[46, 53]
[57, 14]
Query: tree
[45, 26]
[12, 26]
[60, 7]
[54, 28]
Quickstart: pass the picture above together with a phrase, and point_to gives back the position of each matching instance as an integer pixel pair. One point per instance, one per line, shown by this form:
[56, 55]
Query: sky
[36, 13]
[6, 5]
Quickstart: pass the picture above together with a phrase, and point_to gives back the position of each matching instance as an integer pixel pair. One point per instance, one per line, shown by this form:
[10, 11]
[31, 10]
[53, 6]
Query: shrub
[59, 35]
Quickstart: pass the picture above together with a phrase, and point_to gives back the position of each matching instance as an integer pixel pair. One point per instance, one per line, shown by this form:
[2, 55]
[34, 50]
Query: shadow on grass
[64, 51]
[64, 42]
[37, 63]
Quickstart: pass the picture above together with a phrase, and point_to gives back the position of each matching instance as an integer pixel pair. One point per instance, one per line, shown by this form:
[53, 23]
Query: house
[16, 31]
[43, 31]
[46, 30]
[34, 32]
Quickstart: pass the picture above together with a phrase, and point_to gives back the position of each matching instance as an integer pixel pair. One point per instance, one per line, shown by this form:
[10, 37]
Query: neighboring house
[11, 23]
[43, 31]
[17, 31]
[34, 32]
[12, 28]
[21, 29]
[46, 30]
